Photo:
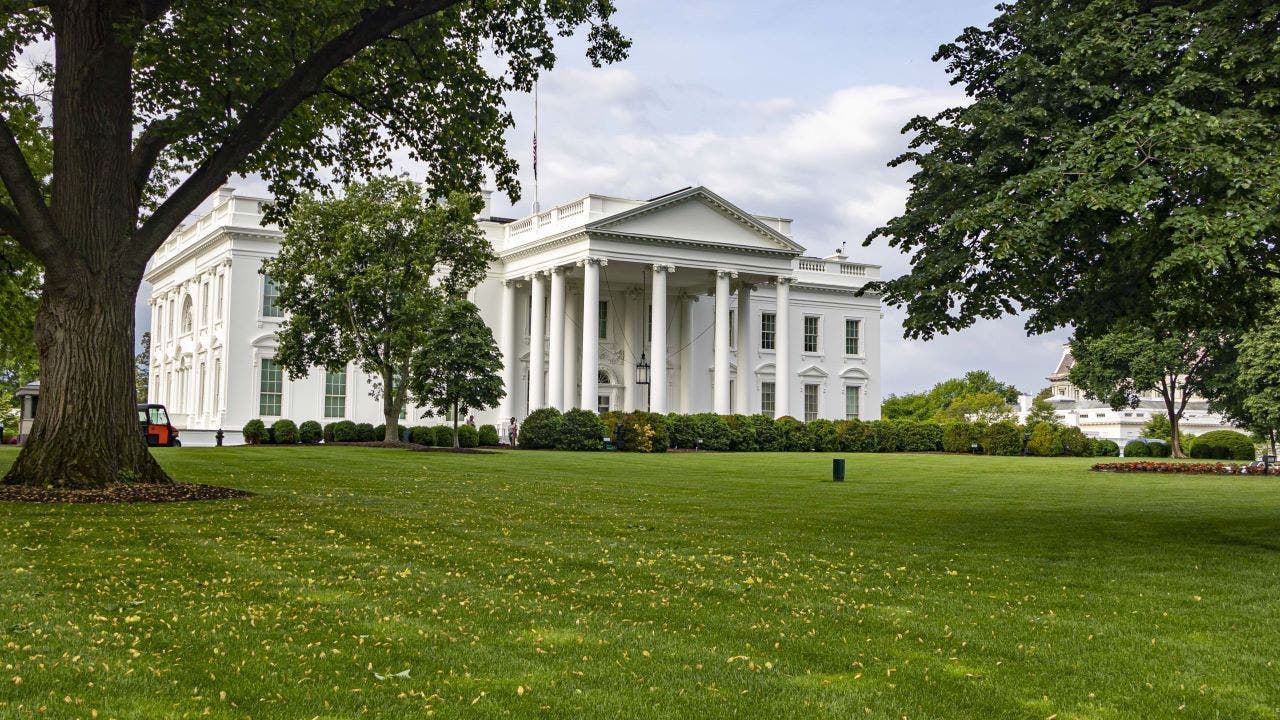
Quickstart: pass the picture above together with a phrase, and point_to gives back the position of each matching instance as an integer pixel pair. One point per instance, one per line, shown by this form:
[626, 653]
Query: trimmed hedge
[959, 437]
[1075, 443]
[541, 430]
[442, 436]
[579, 430]
[1136, 448]
[645, 432]
[488, 436]
[1161, 449]
[284, 432]
[255, 432]
[1045, 441]
[344, 431]
[1002, 438]
[327, 434]
[468, 437]
[421, 435]
[1223, 445]
[1106, 448]
[309, 432]
[379, 432]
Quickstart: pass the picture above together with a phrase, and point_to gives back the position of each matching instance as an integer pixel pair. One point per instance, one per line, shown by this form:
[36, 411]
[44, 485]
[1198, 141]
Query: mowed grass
[610, 585]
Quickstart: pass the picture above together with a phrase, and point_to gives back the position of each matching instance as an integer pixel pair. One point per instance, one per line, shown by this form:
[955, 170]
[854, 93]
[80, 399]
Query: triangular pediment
[700, 216]
[813, 371]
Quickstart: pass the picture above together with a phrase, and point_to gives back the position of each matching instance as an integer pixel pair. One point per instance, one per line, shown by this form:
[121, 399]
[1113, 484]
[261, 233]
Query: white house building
[1098, 420]
[724, 305]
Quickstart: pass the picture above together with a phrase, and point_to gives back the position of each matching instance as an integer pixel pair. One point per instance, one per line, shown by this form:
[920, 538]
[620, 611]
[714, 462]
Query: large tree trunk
[86, 428]
[392, 401]
[1175, 432]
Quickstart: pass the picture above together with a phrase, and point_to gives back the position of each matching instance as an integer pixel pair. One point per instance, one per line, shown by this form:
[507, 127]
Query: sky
[790, 109]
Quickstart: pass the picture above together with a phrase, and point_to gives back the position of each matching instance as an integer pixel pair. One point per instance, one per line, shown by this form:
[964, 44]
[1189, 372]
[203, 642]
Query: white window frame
[817, 337]
[771, 334]
[817, 401]
[262, 298]
[858, 351]
[857, 395]
[768, 397]
[262, 369]
[342, 413]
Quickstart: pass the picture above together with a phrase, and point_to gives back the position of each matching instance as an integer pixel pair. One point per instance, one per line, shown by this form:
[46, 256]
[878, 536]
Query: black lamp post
[642, 378]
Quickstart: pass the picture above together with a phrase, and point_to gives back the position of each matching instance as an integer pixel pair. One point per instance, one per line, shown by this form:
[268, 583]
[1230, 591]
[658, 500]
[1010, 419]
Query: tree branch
[11, 225]
[40, 235]
[269, 111]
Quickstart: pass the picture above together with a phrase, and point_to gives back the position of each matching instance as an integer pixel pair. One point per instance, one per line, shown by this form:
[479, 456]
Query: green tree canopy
[363, 277]
[150, 106]
[1115, 155]
[977, 393]
[459, 368]
[1247, 386]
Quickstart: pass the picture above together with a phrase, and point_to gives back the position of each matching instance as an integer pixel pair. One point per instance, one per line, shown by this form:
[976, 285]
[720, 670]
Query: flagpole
[536, 207]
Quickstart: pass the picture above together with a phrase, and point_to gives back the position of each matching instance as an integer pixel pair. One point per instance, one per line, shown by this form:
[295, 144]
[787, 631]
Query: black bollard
[837, 469]
[218, 437]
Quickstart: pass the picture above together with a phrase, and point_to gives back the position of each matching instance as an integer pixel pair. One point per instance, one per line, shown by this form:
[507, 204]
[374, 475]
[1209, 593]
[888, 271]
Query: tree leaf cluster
[976, 395]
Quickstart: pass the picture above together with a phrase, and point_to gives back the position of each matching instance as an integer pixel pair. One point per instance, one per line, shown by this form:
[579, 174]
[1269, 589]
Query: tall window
[269, 296]
[217, 384]
[158, 336]
[810, 402]
[222, 295]
[335, 394]
[186, 315]
[768, 398]
[604, 319]
[602, 403]
[204, 305]
[851, 333]
[852, 394]
[768, 323]
[271, 389]
[811, 333]
[200, 390]
[733, 329]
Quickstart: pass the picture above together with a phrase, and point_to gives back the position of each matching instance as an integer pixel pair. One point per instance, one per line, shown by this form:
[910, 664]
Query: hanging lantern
[642, 370]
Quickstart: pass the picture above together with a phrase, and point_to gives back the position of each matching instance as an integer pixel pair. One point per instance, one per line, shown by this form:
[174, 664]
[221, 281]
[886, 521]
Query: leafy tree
[1114, 155]
[142, 367]
[1117, 367]
[1247, 387]
[982, 407]
[974, 382]
[459, 368]
[152, 105]
[911, 406]
[1042, 410]
[363, 277]
[1158, 428]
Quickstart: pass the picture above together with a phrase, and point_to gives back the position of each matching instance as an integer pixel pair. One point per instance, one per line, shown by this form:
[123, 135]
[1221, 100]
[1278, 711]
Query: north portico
[723, 305]
[700, 289]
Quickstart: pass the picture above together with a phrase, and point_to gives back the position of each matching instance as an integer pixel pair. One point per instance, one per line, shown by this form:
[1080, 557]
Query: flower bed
[1183, 468]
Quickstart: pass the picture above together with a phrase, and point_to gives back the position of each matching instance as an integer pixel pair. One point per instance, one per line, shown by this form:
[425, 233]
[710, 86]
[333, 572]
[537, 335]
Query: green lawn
[613, 585]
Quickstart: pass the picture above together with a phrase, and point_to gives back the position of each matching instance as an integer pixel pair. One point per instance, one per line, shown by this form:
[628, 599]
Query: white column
[507, 409]
[658, 341]
[571, 335]
[555, 370]
[782, 349]
[590, 331]
[537, 331]
[720, 374]
[744, 342]
[686, 354]
[630, 348]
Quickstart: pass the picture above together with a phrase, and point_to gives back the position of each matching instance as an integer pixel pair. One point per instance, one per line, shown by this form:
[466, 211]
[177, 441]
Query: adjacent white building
[731, 314]
[1098, 420]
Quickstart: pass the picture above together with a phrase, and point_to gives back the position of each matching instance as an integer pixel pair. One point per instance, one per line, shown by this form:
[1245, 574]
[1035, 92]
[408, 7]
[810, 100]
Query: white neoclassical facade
[725, 307]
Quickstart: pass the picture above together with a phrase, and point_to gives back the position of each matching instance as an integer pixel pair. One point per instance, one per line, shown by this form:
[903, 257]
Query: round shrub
[285, 432]
[421, 435]
[344, 431]
[645, 432]
[822, 433]
[487, 436]
[468, 437]
[1159, 449]
[1002, 438]
[442, 436]
[957, 437]
[855, 436]
[327, 433]
[793, 435]
[541, 429]
[1223, 445]
[916, 436]
[364, 432]
[255, 432]
[711, 430]
[764, 433]
[682, 431]
[579, 430]
[1136, 448]
[742, 434]
[309, 432]
[1044, 441]
[379, 432]
[1075, 443]
[1106, 448]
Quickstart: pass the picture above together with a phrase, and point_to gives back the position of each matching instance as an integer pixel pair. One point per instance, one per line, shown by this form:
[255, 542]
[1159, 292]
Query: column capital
[782, 280]
[559, 270]
[593, 261]
[536, 274]
[513, 282]
[731, 274]
[663, 268]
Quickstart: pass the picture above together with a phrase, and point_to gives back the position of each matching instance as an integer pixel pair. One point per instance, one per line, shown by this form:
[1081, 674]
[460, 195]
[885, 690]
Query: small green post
[837, 469]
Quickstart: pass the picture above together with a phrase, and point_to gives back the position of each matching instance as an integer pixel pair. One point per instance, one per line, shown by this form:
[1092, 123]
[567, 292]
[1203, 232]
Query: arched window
[186, 315]
[602, 377]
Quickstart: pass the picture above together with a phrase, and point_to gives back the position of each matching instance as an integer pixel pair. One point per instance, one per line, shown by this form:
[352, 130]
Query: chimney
[487, 211]
[225, 192]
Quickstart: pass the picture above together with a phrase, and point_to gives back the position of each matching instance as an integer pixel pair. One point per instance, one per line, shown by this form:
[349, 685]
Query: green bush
[917, 436]
[364, 432]
[682, 431]
[1223, 445]
[541, 430]
[1159, 449]
[855, 436]
[711, 432]
[888, 435]
[764, 432]
[957, 437]
[344, 431]
[488, 436]
[255, 432]
[284, 432]
[742, 434]
[379, 432]
[468, 437]
[1075, 443]
[822, 435]
[793, 435]
[1044, 441]
[579, 430]
[327, 434]
[645, 432]
[442, 436]
[309, 432]
[421, 435]
[1136, 448]
[1106, 448]
[1002, 438]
